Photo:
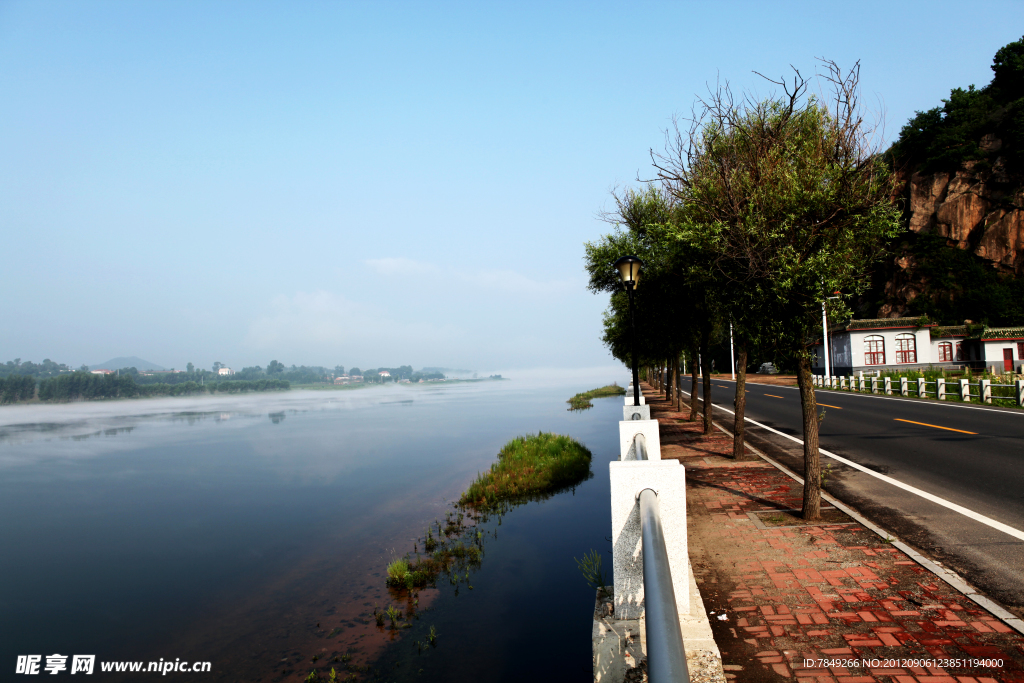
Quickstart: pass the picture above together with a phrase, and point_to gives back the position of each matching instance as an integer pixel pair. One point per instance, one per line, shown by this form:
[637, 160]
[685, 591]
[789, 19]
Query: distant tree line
[59, 382]
[87, 386]
[17, 388]
[39, 370]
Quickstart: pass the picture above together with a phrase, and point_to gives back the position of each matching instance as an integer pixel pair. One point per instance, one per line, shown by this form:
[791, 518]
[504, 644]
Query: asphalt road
[969, 456]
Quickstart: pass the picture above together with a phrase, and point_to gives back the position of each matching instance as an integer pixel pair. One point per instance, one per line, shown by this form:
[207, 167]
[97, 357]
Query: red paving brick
[819, 603]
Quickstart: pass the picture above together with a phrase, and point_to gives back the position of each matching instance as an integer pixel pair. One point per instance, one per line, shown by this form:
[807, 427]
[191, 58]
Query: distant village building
[225, 371]
[102, 372]
[910, 344]
[384, 373]
[342, 379]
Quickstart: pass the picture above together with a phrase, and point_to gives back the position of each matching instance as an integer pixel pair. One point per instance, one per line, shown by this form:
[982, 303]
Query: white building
[225, 371]
[1003, 347]
[910, 344]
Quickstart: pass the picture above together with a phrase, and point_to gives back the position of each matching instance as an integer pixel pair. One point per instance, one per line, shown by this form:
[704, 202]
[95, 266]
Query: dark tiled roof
[950, 331]
[877, 323]
[1003, 333]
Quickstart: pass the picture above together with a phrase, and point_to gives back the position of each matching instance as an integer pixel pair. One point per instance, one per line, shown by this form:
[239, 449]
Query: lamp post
[824, 335]
[629, 270]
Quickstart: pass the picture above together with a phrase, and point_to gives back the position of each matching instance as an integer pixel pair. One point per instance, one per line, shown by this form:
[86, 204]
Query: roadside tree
[791, 196]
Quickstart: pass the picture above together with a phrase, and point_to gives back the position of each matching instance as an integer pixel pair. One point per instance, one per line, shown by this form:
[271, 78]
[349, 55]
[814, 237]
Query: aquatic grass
[581, 401]
[527, 466]
[593, 573]
[398, 571]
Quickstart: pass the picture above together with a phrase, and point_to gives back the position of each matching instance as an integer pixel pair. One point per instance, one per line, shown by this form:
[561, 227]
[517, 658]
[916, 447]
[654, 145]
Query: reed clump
[527, 466]
[582, 401]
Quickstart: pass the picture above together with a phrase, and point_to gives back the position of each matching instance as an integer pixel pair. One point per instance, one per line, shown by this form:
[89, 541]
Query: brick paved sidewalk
[828, 602]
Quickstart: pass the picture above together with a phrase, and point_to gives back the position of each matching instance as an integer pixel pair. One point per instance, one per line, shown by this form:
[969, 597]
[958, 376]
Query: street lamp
[629, 270]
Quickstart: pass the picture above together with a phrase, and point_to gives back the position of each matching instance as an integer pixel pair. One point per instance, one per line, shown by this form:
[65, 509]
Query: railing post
[985, 391]
[940, 389]
[874, 385]
[965, 390]
[921, 393]
[628, 479]
[888, 386]
[904, 389]
[860, 384]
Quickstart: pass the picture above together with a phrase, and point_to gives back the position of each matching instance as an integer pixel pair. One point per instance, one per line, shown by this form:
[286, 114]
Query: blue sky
[377, 183]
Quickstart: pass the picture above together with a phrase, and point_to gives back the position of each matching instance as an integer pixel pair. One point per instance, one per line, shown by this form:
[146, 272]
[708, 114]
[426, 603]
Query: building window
[906, 348]
[959, 351]
[874, 350]
[945, 352]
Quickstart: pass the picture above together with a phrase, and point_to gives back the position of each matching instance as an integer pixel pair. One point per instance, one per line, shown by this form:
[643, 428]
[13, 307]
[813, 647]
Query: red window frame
[874, 350]
[945, 352]
[906, 348]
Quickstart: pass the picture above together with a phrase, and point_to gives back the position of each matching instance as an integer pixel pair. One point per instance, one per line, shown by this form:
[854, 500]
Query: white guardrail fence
[980, 391]
[651, 570]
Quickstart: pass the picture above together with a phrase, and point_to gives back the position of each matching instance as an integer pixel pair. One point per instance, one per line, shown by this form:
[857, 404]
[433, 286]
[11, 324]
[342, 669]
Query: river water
[253, 532]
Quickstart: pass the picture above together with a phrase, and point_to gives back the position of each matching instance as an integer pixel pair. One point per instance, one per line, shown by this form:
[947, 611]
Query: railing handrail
[640, 447]
[666, 654]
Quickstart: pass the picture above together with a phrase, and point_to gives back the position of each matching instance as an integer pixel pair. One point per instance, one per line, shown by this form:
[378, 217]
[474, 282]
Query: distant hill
[126, 362]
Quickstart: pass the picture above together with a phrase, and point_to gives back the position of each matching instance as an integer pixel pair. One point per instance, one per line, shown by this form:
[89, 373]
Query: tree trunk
[694, 386]
[705, 369]
[678, 395]
[812, 459]
[738, 451]
[668, 380]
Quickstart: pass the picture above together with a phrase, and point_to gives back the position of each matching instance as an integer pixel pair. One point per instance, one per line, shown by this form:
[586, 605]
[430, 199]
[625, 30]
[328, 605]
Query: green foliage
[943, 138]
[242, 386]
[957, 285]
[590, 567]
[38, 370]
[15, 388]
[398, 570]
[582, 401]
[528, 466]
[85, 385]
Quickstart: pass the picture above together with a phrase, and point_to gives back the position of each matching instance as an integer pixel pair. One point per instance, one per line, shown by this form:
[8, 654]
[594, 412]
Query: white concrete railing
[649, 541]
[964, 389]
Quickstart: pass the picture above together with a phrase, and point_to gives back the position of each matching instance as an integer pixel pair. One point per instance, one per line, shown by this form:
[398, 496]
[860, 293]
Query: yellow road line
[828, 406]
[925, 424]
[774, 396]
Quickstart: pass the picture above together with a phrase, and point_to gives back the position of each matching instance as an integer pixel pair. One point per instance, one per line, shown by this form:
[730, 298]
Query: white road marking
[988, 521]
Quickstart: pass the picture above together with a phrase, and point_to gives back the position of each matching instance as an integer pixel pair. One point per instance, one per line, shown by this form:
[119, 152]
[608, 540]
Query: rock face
[975, 209]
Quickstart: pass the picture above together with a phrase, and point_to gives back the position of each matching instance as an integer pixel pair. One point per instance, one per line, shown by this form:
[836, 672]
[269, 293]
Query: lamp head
[629, 270]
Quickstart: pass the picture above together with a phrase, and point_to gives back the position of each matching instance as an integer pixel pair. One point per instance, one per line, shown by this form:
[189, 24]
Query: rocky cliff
[963, 256]
[977, 209]
[961, 173]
